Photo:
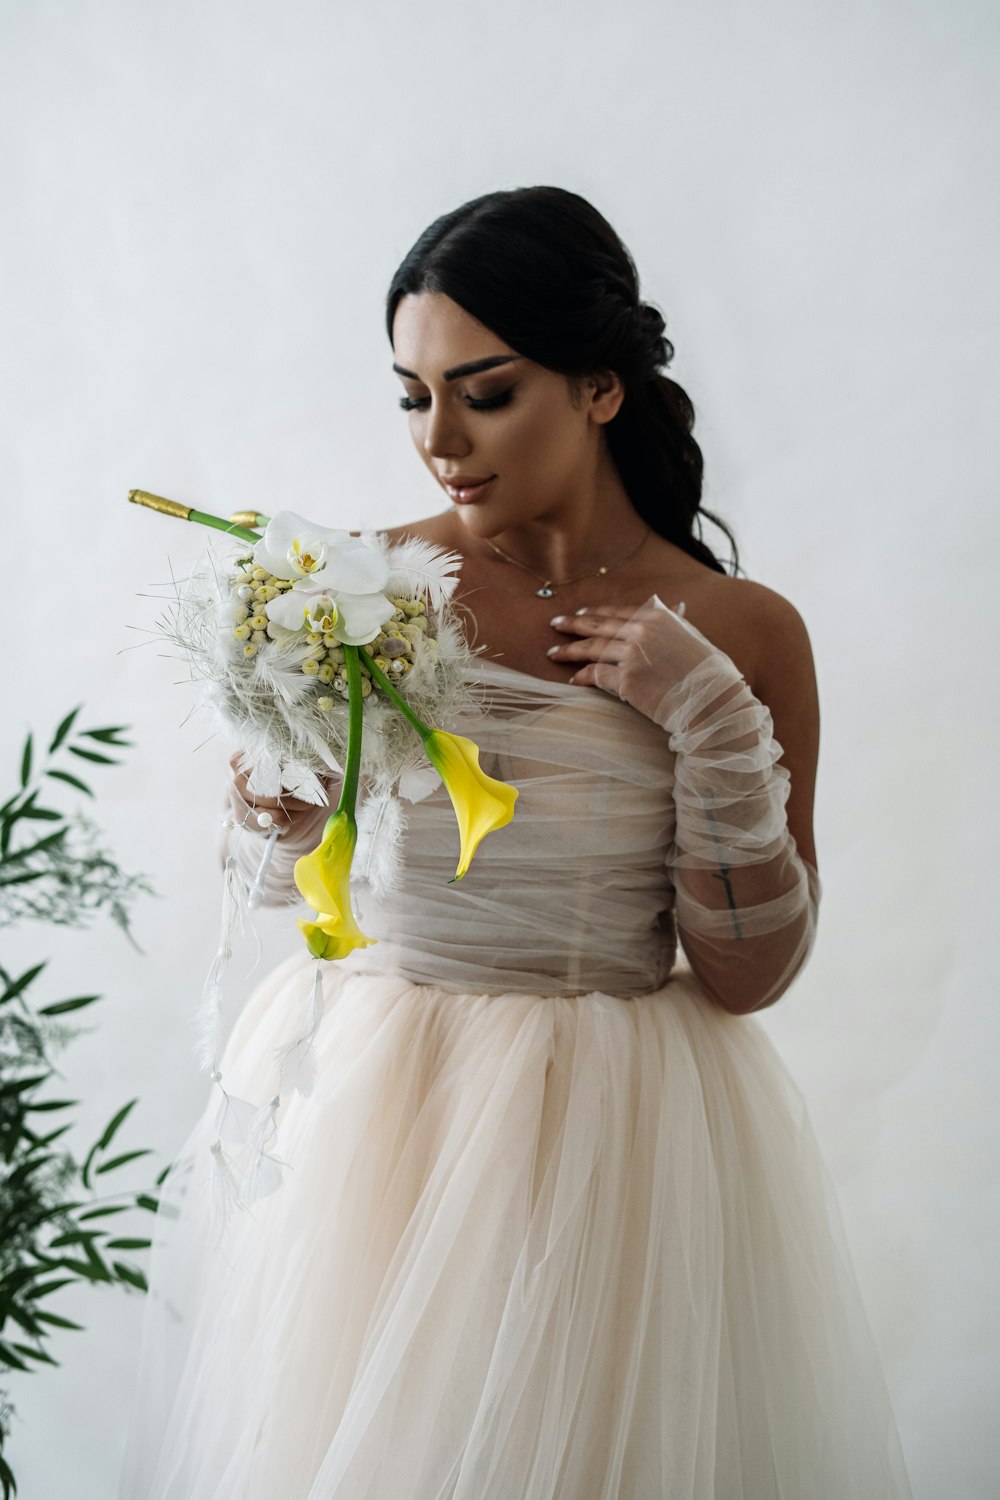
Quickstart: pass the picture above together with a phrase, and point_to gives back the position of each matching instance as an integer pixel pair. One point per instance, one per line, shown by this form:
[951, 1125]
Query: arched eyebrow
[473, 368]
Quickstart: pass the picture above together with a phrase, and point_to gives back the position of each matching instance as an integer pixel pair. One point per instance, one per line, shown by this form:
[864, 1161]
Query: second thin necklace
[549, 585]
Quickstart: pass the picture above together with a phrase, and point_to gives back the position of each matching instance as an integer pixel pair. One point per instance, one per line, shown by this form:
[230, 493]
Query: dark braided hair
[545, 272]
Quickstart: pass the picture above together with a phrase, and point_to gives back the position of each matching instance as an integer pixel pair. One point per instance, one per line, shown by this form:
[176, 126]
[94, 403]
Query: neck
[596, 527]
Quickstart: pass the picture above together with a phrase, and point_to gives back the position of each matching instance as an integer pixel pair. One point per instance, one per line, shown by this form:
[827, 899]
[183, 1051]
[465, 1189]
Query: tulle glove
[300, 827]
[746, 902]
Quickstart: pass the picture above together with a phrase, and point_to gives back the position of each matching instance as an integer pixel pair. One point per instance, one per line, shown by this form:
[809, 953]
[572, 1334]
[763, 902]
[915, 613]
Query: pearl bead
[264, 820]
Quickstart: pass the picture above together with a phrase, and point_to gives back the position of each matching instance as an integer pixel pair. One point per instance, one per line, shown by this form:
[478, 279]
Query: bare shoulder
[430, 529]
[766, 636]
[761, 630]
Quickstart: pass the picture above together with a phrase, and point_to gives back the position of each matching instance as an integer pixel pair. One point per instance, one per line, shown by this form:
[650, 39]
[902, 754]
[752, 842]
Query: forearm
[746, 902]
[748, 954]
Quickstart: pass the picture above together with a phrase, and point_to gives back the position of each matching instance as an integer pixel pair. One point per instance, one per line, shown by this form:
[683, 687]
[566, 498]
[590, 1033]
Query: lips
[465, 487]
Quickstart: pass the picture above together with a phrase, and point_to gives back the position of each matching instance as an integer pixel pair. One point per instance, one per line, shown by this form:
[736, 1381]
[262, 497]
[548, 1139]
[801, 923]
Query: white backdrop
[203, 204]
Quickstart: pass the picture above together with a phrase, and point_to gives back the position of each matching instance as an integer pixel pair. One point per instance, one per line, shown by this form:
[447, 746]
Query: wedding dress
[553, 1224]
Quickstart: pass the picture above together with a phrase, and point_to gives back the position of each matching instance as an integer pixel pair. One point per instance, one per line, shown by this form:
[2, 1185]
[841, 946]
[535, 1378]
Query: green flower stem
[187, 513]
[349, 789]
[379, 676]
[221, 524]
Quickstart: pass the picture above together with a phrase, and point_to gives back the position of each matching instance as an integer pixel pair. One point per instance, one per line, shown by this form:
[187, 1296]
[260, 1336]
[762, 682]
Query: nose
[444, 436]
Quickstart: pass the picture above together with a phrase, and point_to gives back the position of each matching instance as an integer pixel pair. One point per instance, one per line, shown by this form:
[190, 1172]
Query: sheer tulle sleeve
[746, 902]
[246, 843]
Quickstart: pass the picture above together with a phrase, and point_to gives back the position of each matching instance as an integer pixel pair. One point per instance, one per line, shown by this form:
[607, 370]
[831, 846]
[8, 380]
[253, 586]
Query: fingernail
[583, 610]
[552, 650]
[557, 619]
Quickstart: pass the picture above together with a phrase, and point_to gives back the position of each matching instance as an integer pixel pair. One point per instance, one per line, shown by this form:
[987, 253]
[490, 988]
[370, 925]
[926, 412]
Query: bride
[557, 1226]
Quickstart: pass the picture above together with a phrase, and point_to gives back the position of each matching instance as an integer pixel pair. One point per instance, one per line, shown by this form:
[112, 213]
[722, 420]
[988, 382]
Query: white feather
[299, 781]
[418, 783]
[419, 567]
[381, 834]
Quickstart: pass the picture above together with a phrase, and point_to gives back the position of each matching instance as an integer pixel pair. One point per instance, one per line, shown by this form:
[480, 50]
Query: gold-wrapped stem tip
[247, 518]
[157, 502]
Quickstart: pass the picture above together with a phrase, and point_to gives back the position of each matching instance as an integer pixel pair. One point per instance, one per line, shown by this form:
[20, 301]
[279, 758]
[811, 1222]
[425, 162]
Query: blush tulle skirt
[527, 1247]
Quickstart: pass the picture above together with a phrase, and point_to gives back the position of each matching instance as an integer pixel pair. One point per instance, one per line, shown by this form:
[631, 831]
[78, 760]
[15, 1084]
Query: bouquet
[325, 652]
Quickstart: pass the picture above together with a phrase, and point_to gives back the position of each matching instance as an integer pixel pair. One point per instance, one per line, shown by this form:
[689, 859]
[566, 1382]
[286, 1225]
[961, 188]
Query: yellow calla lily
[481, 803]
[330, 938]
[324, 879]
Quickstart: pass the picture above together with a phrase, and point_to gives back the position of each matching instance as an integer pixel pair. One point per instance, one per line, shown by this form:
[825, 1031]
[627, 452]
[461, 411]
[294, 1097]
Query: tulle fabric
[745, 899]
[554, 1225]
[529, 1246]
[574, 894]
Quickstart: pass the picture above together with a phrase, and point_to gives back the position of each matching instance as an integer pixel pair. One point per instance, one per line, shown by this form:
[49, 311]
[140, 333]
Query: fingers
[241, 781]
[599, 674]
[621, 647]
[589, 648]
[605, 621]
[282, 809]
[600, 637]
[601, 645]
[281, 818]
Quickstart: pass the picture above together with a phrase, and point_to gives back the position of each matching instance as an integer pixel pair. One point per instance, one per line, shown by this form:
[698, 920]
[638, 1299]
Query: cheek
[550, 446]
[538, 436]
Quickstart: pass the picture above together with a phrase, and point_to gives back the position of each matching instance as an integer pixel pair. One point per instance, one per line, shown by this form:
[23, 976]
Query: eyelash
[491, 403]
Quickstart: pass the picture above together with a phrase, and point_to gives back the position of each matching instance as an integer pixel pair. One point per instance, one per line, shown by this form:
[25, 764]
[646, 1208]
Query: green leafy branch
[53, 1237]
[62, 875]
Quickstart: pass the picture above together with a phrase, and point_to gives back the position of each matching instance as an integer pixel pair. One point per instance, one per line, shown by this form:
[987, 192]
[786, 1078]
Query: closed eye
[489, 403]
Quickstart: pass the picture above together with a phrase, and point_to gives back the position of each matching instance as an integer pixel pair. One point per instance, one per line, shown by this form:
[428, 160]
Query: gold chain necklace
[549, 585]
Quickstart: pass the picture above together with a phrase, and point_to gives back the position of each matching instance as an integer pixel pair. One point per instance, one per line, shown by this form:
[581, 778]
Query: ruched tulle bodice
[574, 895]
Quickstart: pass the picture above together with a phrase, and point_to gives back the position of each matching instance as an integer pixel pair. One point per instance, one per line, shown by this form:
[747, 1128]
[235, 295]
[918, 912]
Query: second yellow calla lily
[324, 879]
[481, 803]
[330, 938]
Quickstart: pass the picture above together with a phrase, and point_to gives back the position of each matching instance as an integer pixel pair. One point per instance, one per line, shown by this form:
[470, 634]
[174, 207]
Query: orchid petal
[275, 563]
[289, 610]
[293, 547]
[352, 567]
[361, 617]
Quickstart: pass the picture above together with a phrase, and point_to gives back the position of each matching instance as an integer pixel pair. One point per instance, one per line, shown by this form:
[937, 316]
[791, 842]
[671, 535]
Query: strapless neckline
[489, 661]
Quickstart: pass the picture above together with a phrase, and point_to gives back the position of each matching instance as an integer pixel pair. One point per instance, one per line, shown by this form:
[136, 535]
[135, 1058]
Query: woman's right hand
[286, 811]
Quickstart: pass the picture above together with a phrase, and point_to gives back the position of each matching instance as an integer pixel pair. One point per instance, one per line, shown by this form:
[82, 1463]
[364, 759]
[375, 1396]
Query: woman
[558, 1226]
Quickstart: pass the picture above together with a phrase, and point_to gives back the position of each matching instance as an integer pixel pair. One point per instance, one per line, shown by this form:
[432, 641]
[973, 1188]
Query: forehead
[430, 332]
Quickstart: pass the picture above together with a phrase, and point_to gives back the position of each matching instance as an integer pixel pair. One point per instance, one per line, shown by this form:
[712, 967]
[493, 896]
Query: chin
[476, 518]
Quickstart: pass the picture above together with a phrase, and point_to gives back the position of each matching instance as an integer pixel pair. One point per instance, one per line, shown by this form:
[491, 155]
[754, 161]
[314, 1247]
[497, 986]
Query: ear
[605, 393]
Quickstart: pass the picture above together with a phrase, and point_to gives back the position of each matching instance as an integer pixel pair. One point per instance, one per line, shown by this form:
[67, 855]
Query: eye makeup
[488, 403]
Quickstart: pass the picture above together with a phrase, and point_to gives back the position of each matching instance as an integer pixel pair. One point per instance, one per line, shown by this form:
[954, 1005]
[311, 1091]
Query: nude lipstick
[464, 489]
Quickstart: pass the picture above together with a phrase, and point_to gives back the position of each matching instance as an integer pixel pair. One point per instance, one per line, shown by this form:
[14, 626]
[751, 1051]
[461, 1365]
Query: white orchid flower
[354, 619]
[338, 580]
[295, 548]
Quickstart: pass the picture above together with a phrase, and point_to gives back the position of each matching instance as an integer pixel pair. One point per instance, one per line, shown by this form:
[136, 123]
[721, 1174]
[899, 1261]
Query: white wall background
[203, 204]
